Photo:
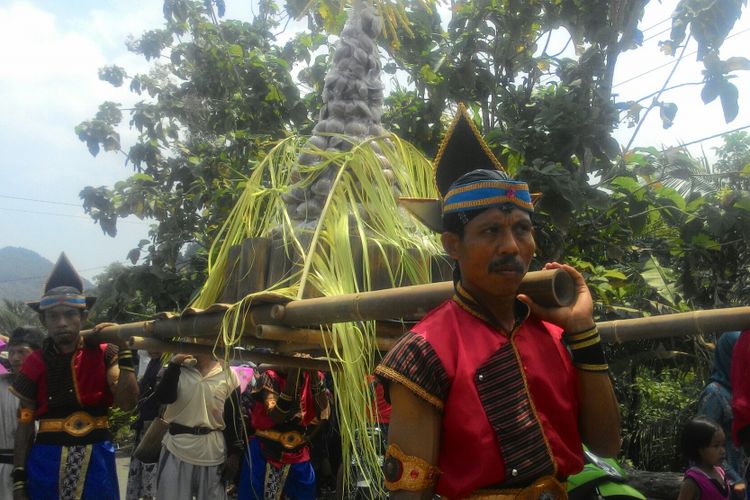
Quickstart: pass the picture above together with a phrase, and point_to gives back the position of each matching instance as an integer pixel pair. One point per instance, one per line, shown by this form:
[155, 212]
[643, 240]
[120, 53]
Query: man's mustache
[506, 263]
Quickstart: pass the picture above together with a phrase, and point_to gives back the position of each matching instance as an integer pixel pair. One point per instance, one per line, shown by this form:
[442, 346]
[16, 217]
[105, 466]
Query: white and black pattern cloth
[141, 477]
[74, 464]
[275, 479]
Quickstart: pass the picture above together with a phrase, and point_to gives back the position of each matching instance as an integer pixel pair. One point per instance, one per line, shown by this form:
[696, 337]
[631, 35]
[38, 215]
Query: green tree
[658, 232]
[14, 313]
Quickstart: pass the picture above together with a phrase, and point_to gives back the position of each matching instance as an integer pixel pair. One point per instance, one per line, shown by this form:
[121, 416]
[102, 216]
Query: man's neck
[502, 309]
[205, 365]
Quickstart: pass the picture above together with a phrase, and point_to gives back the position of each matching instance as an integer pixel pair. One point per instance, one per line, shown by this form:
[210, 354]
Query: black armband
[125, 360]
[586, 350]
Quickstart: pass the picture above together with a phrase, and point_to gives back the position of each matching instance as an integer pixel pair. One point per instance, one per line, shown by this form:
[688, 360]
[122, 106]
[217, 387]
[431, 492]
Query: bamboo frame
[152, 344]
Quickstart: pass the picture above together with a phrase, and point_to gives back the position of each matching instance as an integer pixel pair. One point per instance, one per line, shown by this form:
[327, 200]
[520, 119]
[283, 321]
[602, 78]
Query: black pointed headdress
[63, 287]
[463, 151]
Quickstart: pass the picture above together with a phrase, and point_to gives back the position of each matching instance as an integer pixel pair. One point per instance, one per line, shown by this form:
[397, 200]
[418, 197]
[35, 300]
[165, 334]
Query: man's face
[494, 253]
[17, 353]
[63, 323]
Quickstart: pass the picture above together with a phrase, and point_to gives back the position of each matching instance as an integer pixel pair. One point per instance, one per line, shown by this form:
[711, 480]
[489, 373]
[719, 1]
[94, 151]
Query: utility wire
[29, 278]
[656, 34]
[68, 215]
[40, 201]
[657, 24]
[704, 139]
[670, 62]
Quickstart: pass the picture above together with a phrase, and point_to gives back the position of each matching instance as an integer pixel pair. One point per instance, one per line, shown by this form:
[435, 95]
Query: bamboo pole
[310, 336]
[152, 344]
[673, 325]
[552, 287]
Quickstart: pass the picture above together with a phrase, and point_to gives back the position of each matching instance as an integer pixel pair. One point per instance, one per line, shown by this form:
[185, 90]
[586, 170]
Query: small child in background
[702, 444]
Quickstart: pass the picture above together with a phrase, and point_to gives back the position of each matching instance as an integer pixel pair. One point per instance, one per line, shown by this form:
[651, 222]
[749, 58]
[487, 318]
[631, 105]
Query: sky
[48, 84]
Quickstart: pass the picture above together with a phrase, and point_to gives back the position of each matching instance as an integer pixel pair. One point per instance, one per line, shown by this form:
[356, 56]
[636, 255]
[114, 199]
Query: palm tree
[14, 313]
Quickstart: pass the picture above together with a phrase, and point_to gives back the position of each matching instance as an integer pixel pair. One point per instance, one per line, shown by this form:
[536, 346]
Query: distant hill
[23, 273]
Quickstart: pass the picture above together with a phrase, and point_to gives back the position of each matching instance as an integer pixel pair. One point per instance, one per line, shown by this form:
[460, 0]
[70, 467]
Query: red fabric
[382, 413]
[470, 456]
[261, 420]
[740, 378]
[89, 378]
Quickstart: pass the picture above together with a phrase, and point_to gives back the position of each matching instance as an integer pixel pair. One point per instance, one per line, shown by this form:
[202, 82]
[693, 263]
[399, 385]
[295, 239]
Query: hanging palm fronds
[359, 216]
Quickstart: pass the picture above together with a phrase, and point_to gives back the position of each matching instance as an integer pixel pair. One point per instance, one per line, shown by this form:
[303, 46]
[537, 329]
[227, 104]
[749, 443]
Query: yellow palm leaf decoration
[331, 202]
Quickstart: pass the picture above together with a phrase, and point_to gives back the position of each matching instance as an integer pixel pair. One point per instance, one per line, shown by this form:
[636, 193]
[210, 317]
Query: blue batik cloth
[299, 485]
[43, 469]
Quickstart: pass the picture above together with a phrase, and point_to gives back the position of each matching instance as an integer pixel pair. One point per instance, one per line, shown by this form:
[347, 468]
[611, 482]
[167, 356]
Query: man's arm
[166, 390]
[599, 420]
[233, 436]
[124, 386]
[120, 374]
[599, 417]
[24, 438]
[415, 428]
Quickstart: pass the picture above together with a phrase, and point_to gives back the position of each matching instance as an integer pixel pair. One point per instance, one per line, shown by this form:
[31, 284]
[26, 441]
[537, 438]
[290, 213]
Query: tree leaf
[667, 112]
[736, 63]
[729, 96]
[710, 90]
[658, 278]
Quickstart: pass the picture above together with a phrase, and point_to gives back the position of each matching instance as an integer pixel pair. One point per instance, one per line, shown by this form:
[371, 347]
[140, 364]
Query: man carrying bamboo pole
[487, 400]
[69, 387]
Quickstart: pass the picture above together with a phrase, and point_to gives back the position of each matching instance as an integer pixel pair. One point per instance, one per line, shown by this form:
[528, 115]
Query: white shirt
[200, 403]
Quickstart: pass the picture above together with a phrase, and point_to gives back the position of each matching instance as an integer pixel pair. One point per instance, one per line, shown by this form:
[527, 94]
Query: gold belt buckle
[547, 488]
[291, 439]
[78, 424]
[544, 488]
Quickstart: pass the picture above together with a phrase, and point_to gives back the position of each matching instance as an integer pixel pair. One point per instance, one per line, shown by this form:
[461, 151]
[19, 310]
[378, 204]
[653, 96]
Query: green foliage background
[653, 231]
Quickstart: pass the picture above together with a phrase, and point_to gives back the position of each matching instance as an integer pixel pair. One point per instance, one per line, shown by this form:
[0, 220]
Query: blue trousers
[299, 485]
[43, 469]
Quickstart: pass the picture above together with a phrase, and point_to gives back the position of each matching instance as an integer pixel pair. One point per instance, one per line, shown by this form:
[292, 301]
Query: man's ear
[450, 244]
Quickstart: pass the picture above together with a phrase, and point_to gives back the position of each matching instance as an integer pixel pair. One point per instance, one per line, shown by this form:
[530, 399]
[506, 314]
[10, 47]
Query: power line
[657, 24]
[656, 34]
[14, 280]
[40, 201]
[67, 215]
[670, 62]
[721, 134]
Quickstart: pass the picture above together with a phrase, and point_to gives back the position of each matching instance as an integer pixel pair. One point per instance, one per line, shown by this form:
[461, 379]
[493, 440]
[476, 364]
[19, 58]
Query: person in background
[291, 407]
[69, 386]
[142, 476]
[741, 398]
[22, 342]
[702, 445]
[202, 448]
[715, 402]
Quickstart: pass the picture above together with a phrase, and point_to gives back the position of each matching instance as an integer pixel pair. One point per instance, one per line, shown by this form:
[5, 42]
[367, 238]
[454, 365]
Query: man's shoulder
[438, 315]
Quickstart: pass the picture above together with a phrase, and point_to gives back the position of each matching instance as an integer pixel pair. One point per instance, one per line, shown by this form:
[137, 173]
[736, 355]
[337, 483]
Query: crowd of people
[491, 395]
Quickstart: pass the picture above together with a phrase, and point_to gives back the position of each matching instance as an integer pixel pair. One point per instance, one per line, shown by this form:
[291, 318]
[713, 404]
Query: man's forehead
[19, 345]
[504, 213]
[61, 309]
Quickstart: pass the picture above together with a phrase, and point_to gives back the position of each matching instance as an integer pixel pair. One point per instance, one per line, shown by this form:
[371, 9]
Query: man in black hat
[492, 394]
[68, 386]
[22, 342]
